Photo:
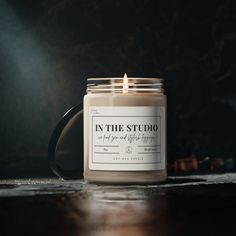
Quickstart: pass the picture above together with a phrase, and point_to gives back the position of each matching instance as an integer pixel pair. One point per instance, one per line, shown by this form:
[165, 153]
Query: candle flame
[125, 83]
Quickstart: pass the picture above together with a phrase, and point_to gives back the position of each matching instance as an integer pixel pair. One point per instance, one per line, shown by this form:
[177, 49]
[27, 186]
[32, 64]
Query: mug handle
[60, 172]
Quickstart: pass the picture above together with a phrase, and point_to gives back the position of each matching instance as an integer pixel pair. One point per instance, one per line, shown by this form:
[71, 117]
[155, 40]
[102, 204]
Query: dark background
[49, 48]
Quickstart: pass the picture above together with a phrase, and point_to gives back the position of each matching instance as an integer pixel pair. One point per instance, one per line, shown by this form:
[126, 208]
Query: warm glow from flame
[125, 84]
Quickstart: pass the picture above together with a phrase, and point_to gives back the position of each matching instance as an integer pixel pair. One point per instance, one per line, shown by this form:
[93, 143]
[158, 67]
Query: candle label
[127, 138]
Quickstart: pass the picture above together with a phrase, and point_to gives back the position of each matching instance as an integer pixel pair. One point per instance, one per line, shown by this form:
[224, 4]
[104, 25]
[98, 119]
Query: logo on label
[128, 150]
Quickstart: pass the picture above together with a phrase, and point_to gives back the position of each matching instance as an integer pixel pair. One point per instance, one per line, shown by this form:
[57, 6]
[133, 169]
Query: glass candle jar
[124, 130]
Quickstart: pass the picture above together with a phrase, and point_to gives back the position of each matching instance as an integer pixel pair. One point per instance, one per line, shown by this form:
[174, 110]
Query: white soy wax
[124, 130]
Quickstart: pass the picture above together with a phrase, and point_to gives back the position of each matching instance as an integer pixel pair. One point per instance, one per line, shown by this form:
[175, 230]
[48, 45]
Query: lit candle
[124, 130]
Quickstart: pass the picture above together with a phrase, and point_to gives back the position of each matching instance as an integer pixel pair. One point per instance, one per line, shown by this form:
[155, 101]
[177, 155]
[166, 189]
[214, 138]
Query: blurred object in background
[188, 164]
[204, 165]
[229, 164]
[217, 164]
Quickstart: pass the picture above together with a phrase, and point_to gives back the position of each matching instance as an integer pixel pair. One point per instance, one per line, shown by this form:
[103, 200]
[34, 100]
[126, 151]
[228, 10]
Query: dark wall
[49, 48]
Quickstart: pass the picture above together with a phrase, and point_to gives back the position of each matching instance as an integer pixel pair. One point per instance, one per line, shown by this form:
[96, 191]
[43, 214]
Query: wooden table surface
[189, 205]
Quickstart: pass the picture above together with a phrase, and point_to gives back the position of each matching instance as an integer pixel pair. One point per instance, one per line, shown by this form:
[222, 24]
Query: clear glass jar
[124, 130]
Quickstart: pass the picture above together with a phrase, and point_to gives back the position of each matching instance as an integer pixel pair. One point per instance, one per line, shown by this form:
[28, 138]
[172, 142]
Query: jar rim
[146, 79]
[121, 84]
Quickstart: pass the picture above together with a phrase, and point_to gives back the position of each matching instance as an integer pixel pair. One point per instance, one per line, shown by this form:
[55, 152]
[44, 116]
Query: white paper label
[127, 138]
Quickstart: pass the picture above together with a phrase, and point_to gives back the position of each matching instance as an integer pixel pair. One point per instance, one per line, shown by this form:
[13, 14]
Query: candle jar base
[120, 177]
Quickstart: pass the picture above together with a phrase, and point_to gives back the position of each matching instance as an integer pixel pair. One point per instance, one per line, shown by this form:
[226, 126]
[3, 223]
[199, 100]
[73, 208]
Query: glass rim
[119, 84]
[146, 79]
